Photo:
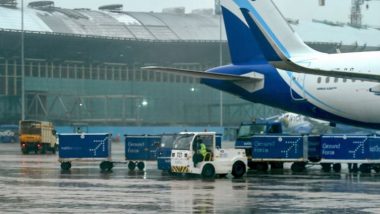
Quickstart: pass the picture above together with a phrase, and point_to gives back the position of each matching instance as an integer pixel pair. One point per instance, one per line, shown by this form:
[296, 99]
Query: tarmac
[35, 184]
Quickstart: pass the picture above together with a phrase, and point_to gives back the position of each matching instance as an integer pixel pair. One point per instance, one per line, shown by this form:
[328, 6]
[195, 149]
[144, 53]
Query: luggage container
[350, 149]
[278, 149]
[141, 148]
[85, 147]
[9, 133]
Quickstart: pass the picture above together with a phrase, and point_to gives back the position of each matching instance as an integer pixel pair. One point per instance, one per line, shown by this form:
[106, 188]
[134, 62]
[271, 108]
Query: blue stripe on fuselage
[302, 88]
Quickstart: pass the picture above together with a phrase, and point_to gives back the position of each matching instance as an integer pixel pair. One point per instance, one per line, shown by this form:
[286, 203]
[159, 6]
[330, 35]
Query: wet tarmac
[35, 184]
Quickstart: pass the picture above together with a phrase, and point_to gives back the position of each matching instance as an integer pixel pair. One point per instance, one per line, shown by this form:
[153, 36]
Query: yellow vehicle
[37, 136]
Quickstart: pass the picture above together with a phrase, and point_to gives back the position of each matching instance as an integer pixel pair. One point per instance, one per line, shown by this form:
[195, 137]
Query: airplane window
[336, 79]
[344, 80]
[319, 79]
[327, 79]
[353, 80]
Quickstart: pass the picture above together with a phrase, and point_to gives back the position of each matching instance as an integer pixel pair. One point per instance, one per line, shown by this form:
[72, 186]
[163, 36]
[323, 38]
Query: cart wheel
[106, 166]
[103, 166]
[365, 168]
[337, 167]
[376, 167]
[238, 169]
[65, 165]
[110, 165]
[131, 165]
[326, 167]
[208, 171]
[141, 165]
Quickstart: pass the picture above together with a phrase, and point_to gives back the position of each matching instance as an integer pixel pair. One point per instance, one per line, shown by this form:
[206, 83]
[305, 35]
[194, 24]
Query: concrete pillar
[6, 78]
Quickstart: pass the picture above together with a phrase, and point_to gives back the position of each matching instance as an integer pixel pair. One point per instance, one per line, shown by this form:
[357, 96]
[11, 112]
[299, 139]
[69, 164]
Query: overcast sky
[305, 9]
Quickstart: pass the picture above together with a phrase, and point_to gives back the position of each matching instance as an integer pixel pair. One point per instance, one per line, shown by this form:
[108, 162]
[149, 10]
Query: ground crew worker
[202, 150]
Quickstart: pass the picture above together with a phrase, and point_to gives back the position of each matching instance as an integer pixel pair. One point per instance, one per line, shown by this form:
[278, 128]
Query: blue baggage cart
[85, 147]
[276, 150]
[140, 148]
[279, 148]
[9, 133]
[350, 149]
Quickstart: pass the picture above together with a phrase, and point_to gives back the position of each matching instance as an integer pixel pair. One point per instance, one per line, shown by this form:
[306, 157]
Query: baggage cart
[85, 147]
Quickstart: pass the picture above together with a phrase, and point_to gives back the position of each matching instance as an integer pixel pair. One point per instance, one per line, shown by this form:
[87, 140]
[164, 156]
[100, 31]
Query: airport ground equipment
[85, 147]
[141, 148]
[186, 156]
[354, 150]
[275, 150]
[37, 136]
[266, 145]
[164, 151]
[9, 133]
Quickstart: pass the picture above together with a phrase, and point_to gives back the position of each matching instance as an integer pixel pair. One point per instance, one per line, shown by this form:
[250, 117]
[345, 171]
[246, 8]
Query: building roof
[163, 26]
[130, 25]
[314, 32]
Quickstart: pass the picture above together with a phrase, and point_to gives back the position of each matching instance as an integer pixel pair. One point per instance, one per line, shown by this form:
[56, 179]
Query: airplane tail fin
[275, 37]
[242, 45]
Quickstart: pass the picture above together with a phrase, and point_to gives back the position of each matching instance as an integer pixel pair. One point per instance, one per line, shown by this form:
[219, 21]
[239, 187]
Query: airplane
[300, 124]
[273, 66]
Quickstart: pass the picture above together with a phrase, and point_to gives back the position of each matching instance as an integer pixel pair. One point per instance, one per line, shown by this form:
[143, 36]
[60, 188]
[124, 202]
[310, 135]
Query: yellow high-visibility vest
[203, 150]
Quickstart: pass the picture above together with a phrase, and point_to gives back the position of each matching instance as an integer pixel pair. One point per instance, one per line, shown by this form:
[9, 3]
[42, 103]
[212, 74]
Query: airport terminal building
[84, 66]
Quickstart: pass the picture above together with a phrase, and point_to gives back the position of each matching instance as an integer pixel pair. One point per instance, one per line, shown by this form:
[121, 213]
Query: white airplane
[300, 124]
[273, 66]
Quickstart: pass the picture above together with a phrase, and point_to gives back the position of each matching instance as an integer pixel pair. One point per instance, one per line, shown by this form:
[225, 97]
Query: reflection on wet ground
[35, 184]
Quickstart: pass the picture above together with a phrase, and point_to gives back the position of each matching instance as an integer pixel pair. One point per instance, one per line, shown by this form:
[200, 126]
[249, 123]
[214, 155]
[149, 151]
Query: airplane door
[297, 83]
